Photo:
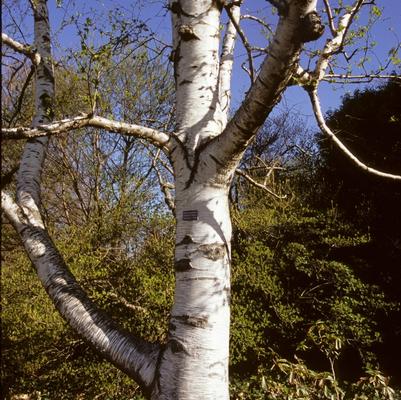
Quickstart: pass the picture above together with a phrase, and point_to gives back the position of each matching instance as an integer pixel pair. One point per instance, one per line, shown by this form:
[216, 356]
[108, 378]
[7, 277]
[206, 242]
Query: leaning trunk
[194, 364]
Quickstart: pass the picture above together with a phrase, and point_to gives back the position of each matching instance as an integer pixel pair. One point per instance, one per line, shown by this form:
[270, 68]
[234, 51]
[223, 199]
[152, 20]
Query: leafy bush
[300, 310]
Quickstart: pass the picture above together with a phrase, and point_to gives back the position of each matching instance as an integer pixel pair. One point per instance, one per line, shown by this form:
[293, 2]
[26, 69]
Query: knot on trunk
[183, 265]
[200, 321]
[187, 33]
[311, 27]
[176, 346]
[214, 251]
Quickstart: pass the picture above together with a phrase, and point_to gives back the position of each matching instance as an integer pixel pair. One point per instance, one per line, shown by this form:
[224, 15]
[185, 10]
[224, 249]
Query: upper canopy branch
[335, 44]
[154, 136]
[275, 73]
[234, 18]
[361, 78]
[227, 62]
[25, 49]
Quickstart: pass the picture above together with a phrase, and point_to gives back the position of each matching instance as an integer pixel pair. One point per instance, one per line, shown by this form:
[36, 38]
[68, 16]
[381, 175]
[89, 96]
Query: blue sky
[387, 34]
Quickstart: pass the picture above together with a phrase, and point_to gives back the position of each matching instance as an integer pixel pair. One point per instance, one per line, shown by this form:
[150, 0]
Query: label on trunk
[190, 215]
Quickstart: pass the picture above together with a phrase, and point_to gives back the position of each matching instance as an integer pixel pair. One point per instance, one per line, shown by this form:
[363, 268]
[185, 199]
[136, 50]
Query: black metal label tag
[190, 215]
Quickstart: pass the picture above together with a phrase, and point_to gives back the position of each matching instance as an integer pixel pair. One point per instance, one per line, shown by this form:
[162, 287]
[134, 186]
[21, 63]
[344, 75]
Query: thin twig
[258, 185]
[330, 17]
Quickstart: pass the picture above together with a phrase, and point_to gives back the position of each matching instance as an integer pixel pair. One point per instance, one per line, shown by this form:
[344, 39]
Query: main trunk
[194, 364]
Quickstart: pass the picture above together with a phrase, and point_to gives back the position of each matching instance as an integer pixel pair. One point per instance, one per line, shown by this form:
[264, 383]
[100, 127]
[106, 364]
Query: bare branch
[165, 187]
[244, 40]
[330, 17]
[274, 76]
[335, 45]
[364, 78]
[21, 48]
[257, 184]
[21, 95]
[226, 63]
[259, 20]
[325, 129]
[158, 138]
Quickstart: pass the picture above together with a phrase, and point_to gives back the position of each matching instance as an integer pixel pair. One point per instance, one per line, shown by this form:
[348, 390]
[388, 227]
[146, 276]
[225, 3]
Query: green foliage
[297, 311]
[42, 356]
[295, 381]
[294, 298]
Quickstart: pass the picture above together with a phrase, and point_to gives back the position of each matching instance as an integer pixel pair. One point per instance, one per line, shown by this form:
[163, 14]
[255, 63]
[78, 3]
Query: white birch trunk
[194, 364]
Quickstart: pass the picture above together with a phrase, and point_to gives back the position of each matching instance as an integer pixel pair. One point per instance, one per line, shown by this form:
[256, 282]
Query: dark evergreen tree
[369, 123]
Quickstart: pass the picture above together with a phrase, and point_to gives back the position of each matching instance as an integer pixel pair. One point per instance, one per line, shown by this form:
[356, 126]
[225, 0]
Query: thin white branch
[226, 64]
[158, 138]
[334, 45]
[269, 168]
[325, 129]
[234, 18]
[259, 20]
[358, 78]
[21, 48]
[165, 187]
[302, 77]
[330, 17]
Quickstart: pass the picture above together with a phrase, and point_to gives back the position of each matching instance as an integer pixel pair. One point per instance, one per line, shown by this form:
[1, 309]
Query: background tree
[369, 122]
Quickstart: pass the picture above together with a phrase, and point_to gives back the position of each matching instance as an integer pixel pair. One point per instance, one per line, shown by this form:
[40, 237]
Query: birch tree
[204, 150]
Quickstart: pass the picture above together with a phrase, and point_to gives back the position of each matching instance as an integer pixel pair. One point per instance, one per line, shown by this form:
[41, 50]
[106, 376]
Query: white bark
[29, 174]
[276, 71]
[227, 63]
[194, 364]
[21, 48]
[334, 45]
[159, 139]
[196, 37]
[137, 358]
